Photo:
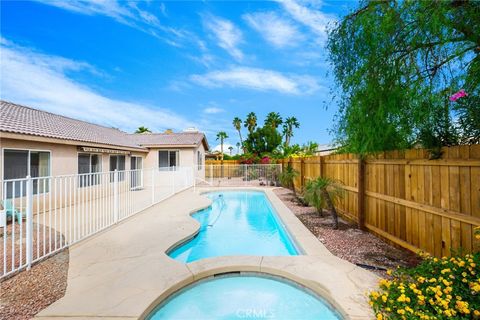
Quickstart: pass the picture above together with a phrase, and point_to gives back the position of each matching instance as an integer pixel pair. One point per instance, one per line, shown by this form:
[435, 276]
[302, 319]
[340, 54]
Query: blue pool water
[237, 223]
[244, 297]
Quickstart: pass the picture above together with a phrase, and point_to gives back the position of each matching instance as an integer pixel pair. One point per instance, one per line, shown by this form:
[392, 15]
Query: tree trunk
[241, 141]
[293, 189]
[331, 207]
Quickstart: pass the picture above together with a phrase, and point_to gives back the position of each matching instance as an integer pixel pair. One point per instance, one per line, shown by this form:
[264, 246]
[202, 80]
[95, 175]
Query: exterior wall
[187, 158]
[63, 158]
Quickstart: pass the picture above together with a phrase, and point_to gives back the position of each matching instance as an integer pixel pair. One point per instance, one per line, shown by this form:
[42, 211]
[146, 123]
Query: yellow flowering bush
[446, 288]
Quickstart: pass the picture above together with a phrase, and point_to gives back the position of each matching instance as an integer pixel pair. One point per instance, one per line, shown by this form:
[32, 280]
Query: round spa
[244, 296]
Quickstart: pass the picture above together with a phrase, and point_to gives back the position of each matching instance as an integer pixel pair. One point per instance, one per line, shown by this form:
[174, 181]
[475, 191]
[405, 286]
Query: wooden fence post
[361, 193]
[321, 166]
[302, 173]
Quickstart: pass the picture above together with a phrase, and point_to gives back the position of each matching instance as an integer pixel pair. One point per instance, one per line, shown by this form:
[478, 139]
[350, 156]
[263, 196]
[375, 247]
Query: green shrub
[322, 193]
[287, 177]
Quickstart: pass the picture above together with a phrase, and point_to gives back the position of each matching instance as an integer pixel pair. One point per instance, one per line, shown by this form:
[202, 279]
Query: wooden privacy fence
[432, 205]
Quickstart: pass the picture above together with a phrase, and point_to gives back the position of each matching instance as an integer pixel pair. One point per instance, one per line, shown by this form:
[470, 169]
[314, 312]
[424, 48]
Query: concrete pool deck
[124, 272]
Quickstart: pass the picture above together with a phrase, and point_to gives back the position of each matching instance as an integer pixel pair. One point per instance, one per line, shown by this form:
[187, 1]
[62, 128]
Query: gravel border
[348, 242]
[25, 294]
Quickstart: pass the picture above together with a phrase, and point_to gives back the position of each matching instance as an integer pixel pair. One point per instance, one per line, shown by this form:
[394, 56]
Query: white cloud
[258, 79]
[309, 15]
[274, 29]
[40, 80]
[123, 12]
[227, 34]
[130, 14]
[213, 110]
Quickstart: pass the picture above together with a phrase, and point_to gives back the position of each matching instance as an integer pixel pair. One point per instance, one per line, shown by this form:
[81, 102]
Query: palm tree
[287, 178]
[143, 129]
[288, 125]
[273, 119]
[322, 193]
[231, 149]
[251, 122]
[222, 135]
[238, 147]
[237, 123]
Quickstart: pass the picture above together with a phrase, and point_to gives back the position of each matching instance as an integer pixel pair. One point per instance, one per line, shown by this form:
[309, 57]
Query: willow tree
[396, 63]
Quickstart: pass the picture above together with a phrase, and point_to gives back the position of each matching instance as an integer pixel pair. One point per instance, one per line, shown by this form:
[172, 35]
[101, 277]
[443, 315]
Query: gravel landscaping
[348, 242]
[27, 293]
[24, 294]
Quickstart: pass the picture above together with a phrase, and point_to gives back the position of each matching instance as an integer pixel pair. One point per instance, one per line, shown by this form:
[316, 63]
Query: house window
[199, 160]
[19, 164]
[168, 159]
[117, 163]
[88, 165]
[136, 174]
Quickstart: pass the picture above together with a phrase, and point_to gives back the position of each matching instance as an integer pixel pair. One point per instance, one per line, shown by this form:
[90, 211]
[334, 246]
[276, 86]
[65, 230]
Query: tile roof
[181, 138]
[16, 118]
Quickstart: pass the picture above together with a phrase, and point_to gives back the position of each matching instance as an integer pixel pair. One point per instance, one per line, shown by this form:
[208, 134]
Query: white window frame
[177, 164]
[50, 165]
[90, 164]
[29, 152]
[199, 160]
[141, 172]
[121, 175]
[89, 167]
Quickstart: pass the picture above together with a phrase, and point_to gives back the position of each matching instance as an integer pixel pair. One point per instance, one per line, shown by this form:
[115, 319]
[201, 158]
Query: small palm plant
[287, 177]
[323, 193]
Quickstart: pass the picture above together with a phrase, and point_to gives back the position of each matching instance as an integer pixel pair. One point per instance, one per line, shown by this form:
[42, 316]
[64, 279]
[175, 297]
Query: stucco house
[39, 143]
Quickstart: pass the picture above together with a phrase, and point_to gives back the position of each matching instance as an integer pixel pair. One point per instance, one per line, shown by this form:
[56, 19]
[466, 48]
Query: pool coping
[109, 279]
[302, 238]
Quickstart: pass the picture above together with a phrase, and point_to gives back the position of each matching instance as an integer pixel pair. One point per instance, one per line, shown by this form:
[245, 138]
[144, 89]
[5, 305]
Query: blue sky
[172, 64]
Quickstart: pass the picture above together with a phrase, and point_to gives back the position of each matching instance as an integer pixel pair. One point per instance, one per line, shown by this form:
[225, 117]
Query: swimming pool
[244, 297]
[237, 223]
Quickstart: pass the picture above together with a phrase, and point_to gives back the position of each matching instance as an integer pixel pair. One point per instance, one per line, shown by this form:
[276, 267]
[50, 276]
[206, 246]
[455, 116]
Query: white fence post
[172, 170]
[29, 214]
[153, 185]
[115, 196]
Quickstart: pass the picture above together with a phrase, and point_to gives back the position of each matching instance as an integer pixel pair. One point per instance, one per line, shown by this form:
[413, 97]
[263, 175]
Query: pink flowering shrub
[458, 95]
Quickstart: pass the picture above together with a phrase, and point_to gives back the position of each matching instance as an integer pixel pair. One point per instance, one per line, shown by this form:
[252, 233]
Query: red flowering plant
[249, 159]
[265, 160]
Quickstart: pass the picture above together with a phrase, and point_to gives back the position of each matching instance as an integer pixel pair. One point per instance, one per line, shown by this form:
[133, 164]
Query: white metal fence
[241, 175]
[47, 214]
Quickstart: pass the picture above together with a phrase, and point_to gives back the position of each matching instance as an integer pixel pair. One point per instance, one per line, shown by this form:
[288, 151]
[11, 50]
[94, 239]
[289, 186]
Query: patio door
[136, 175]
